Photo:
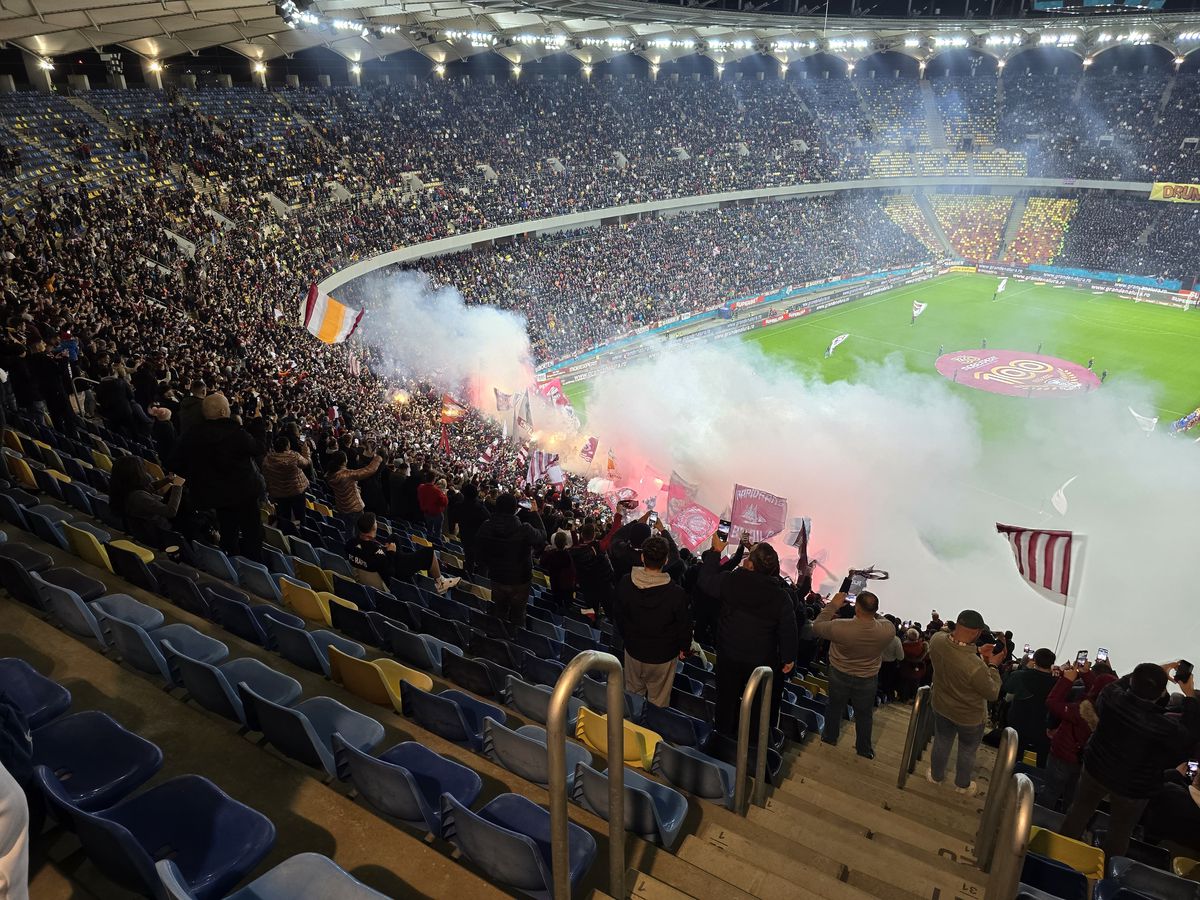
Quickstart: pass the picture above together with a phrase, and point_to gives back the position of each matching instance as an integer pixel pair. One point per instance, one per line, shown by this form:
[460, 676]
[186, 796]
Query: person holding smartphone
[1133, 743]
[1174, 812]
[1029, 686]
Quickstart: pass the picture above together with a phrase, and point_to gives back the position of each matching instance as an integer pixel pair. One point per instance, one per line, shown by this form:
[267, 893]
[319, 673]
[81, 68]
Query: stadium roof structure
[525, 30]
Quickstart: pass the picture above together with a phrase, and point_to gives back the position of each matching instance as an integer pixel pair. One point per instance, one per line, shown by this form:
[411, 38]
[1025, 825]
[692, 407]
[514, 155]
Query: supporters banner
[588, 451]
[552, 390]
[918, 308]
[1043, 558]
[679, 494]
[504, 402]
[452, 410]
[543, 463]
[488, 456]
[835, 343]
[692, 525]
[756, 512]
[1175, 193]
[328, 320]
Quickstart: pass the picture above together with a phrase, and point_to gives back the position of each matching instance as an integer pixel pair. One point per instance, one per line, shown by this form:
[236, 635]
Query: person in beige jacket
[965, 679]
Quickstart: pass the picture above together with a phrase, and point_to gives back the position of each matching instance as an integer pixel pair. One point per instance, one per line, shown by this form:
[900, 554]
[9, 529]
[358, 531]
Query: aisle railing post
[914, 736]
[994, 803]
[1011, 840]
[556, 746]
[759, 682]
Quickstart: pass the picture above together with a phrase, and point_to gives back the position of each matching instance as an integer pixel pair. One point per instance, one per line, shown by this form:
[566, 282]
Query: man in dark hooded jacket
[217, 459]
[756, 626]
[1133, 743]
[651, 613]
[505, 545]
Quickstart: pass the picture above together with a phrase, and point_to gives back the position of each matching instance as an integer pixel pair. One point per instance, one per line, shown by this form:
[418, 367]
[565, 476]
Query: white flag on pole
[918, 308]
[1059, 500]
[1002, 285]
[1146, 423]
[833, 345]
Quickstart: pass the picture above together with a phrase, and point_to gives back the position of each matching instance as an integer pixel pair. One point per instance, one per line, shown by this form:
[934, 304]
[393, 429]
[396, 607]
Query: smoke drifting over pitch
[894, 471]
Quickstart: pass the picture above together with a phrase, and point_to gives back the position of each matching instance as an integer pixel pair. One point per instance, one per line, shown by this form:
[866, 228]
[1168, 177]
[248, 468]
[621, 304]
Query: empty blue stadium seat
[215, 686]
[77, 497]
[277, 562]
[1124, 874]
[125, 607]
[305, 876]
[214, 562]
[509, 839]
[653, 811]
[214, 840]
[355, 624]
[305, 731]
[302, 549]
[39, 698]
[71, 612]
[255, 578]
[132, 568]
[524, 752]
[470, 674]
[694, 772]
[542, 671]
[25, 556]
[307, 649]
[140, 648]
[96, 761]
[451, 714]
[675, 726]
[87, 587]
[595, 698]
[407, 781]
[230, 609]
[334, 562]
[19, 583]
[533, 701]
[1054, 878]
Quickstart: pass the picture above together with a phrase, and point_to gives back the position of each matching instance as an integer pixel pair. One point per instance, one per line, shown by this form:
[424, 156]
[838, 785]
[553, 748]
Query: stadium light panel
[259, 68]
[155, 66]
[912, 42]
[953, 40]
[1003, 40]
[45, 64]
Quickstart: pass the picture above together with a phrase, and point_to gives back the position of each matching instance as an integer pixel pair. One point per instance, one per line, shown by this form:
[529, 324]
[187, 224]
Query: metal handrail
[1012, 840]
[760, 683]
[914, 736]
[993, 804]
[556, 746]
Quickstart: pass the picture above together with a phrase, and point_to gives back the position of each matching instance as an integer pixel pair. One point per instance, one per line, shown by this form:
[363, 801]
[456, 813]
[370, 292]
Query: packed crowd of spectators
[974, 225]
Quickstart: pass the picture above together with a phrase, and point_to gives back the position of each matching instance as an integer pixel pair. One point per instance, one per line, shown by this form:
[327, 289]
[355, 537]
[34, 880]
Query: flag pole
[1078, 553]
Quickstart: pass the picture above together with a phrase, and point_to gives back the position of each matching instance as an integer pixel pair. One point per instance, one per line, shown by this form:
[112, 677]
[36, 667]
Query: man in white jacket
[14, 839]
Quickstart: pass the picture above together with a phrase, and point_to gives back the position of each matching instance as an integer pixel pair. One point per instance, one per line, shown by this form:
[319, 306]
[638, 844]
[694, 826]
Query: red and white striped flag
[541, 464]
[488, 456]
[523, 452]
[354, 364]
[1043, 557]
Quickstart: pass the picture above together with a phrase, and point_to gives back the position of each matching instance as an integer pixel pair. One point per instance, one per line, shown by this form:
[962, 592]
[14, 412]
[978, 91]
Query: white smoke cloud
[895, 471]
[419, 330]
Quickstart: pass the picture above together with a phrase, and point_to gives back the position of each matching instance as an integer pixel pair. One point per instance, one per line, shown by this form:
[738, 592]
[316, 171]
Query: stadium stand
[973, 225]
[1042, 230]
[904, 211]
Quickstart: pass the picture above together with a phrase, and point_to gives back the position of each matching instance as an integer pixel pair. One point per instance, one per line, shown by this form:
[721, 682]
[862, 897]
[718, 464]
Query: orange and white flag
[327, 319]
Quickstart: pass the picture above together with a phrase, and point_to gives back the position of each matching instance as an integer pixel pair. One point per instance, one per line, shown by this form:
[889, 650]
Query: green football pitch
[1135, 342]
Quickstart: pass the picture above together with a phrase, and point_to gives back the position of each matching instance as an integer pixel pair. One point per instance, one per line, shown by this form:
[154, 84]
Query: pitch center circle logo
[1016, 374]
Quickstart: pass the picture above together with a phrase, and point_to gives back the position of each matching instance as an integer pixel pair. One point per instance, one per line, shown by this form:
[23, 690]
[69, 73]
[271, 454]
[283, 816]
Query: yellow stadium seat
[54, 473]
[313, 575]
[322, 509]
[85, 545]
[376, 681]
[592, 731]
[102, 461]
[540, 578]
[1187, 868]
[1076, 854]
[449, 559]
[12, 440]
[307, 603]
[420, 541]
[19, 469]
[154, 470]
[478, 590]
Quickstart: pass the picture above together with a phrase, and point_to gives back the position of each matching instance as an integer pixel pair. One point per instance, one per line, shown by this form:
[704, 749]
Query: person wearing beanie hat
[966, 678]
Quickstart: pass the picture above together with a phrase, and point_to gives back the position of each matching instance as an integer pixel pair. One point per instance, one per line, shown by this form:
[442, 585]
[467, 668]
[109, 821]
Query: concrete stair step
[854, 846]
[756, 879]
[645, 887]
[677, 872]
[785, 864]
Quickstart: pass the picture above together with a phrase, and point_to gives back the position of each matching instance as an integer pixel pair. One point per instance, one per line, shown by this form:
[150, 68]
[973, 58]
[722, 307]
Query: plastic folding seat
[276, 539]
[580, 628]
[355, 624]
[179, 585]
[403, 590]
[470, 674]
[595, 698]
[68, 608]
[1076, 854]
[690, 704]
[1124, 874]
[124, 607]
[524, 753]
[547, 629]
[724, 748]
[407, 781]
[639, 743]
[19, 470]
[141, 649]
[276, 563]
[212, 839]
[451, 714]
[26, 557]
[497, 650]
[411, 649]
[105, 514]
[305, 731]
[352, 591]
[303, 550]
[12, 511]
[20, 584]
[695, 772]
[334, 562]
[308, 649]
[457, 633]
[213, 561]
[47, 484]
[312, 575]
[449, 609]
[39, 698]
[230, 609]
[307, 603]
[45, 529]
[1054, 878]
[305, 875]
[653, 811]
[1185, 867]
[255, 578]
[376, 681]
[542, 671]
[509, 839]
[814, 722]
[214, 686]
[675, 726]
[131, 567]
[579, 642]
[533, 701]
[96, 761]
[537, 644]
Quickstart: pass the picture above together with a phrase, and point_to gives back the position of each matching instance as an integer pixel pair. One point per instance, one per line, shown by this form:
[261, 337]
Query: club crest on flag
[588, 451]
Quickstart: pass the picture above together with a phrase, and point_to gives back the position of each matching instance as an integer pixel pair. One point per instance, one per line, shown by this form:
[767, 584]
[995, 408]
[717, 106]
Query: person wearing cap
[966, 677]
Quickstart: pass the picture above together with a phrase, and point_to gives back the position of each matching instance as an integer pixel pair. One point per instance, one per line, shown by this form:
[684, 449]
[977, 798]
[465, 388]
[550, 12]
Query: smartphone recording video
[723, 529]
[652, 520]
[1081, 657]
[1183, 672]
[1028, 652]
[1102, 654]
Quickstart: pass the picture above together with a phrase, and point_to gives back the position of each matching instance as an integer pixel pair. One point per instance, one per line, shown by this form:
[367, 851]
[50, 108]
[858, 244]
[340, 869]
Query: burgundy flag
[588, 451]
[760, 514]
[693, 525]
[503, 401]
[1043, 557]
[679, 494]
